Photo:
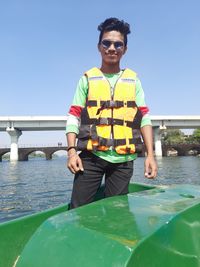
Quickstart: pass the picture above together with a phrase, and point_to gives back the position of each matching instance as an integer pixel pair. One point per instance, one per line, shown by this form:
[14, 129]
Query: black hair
[114, 24]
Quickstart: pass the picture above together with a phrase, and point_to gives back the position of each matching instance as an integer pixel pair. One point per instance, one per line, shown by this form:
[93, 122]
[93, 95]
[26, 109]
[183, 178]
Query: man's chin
[112, 62]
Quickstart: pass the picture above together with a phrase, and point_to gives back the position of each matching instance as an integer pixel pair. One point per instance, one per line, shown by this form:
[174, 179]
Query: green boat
[150, 226]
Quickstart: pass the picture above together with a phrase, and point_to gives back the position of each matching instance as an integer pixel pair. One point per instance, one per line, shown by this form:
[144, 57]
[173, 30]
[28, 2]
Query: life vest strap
[111, 104]
[109, 121]
[83, 144]
[112, 121]
[117, 142]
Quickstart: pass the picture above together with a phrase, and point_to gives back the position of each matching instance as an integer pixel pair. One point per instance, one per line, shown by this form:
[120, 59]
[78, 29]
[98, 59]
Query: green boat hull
[155, 227]
[16, 233]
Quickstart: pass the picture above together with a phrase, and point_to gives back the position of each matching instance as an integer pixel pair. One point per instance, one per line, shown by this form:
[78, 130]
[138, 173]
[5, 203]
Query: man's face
[112, 47]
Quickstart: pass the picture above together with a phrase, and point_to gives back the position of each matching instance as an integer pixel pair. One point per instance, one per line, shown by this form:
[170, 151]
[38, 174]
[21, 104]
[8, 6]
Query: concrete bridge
[23, 153]
[15, 126]
[48, 151]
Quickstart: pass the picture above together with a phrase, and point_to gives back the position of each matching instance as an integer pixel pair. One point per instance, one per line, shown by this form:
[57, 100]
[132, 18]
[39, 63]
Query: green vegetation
[6, 156]
[178, 137]
[196, 135]
[173, 137]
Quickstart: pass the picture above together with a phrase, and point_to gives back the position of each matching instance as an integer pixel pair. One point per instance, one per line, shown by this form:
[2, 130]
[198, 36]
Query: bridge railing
[59, 144]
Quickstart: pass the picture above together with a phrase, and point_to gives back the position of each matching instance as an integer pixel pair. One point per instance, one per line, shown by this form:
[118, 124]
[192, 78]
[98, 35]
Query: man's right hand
[74, 163]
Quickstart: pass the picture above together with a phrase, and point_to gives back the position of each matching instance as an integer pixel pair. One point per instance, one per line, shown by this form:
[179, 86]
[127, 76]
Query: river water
[35, 185]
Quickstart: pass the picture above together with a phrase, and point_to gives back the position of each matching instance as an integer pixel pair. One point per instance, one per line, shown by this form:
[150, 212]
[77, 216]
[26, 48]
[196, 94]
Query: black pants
[86, 183]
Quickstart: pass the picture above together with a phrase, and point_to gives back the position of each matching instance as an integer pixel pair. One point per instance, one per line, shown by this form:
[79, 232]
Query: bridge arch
[36, 154]
[51, 152]
[26, 152]
[60, 152]
[195, 149]
[48, 151]
[3, 152]
[182, 149]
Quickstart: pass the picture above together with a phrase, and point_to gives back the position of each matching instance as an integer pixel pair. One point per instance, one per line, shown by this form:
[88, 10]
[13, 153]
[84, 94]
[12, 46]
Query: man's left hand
[150, 167]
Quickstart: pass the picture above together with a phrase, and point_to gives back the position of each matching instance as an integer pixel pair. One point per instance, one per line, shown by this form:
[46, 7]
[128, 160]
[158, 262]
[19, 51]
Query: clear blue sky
[45, 46]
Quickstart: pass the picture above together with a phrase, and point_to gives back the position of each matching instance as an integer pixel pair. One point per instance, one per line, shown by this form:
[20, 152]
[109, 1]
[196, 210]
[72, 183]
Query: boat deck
[157, 227]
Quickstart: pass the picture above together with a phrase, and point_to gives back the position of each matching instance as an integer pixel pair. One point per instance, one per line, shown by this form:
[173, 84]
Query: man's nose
[111, 47]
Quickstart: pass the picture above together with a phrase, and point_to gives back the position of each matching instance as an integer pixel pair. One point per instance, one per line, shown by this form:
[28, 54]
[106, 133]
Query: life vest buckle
[105, 142]
[112, 103]
[128, 150]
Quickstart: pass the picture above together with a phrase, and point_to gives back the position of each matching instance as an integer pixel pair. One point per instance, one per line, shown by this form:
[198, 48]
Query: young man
[107, 115]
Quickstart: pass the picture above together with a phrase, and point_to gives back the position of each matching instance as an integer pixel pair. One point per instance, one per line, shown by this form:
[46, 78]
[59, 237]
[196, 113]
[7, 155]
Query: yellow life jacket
[110, 119]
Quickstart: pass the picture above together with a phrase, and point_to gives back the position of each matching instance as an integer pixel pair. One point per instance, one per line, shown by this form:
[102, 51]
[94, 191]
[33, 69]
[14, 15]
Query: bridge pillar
[157, 142]
[14, 135]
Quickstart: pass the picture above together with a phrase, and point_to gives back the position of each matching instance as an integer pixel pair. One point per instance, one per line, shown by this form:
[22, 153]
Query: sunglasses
[107, 43]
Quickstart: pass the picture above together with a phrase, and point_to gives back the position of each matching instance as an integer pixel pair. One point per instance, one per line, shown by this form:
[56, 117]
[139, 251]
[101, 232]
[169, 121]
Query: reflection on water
[28, 187]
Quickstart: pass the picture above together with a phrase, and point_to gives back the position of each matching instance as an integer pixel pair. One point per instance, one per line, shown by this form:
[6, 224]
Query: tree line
[177, 136]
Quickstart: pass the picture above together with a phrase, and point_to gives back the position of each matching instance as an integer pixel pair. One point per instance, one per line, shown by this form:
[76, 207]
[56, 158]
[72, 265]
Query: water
[35, 185]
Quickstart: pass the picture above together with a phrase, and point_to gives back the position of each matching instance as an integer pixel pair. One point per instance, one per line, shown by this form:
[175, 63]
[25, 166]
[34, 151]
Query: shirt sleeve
[81, 92]
[78, 103]
[140, 101]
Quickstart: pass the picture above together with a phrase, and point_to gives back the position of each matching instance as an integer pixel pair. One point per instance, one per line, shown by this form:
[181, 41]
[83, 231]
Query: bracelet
[70, 147]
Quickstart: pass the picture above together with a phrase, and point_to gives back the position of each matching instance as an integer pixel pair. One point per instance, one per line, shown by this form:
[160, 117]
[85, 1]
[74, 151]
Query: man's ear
[125, 49]
[98, 46]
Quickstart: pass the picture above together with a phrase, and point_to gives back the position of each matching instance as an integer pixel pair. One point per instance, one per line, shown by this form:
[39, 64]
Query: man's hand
[74, 163]
[150, 167]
